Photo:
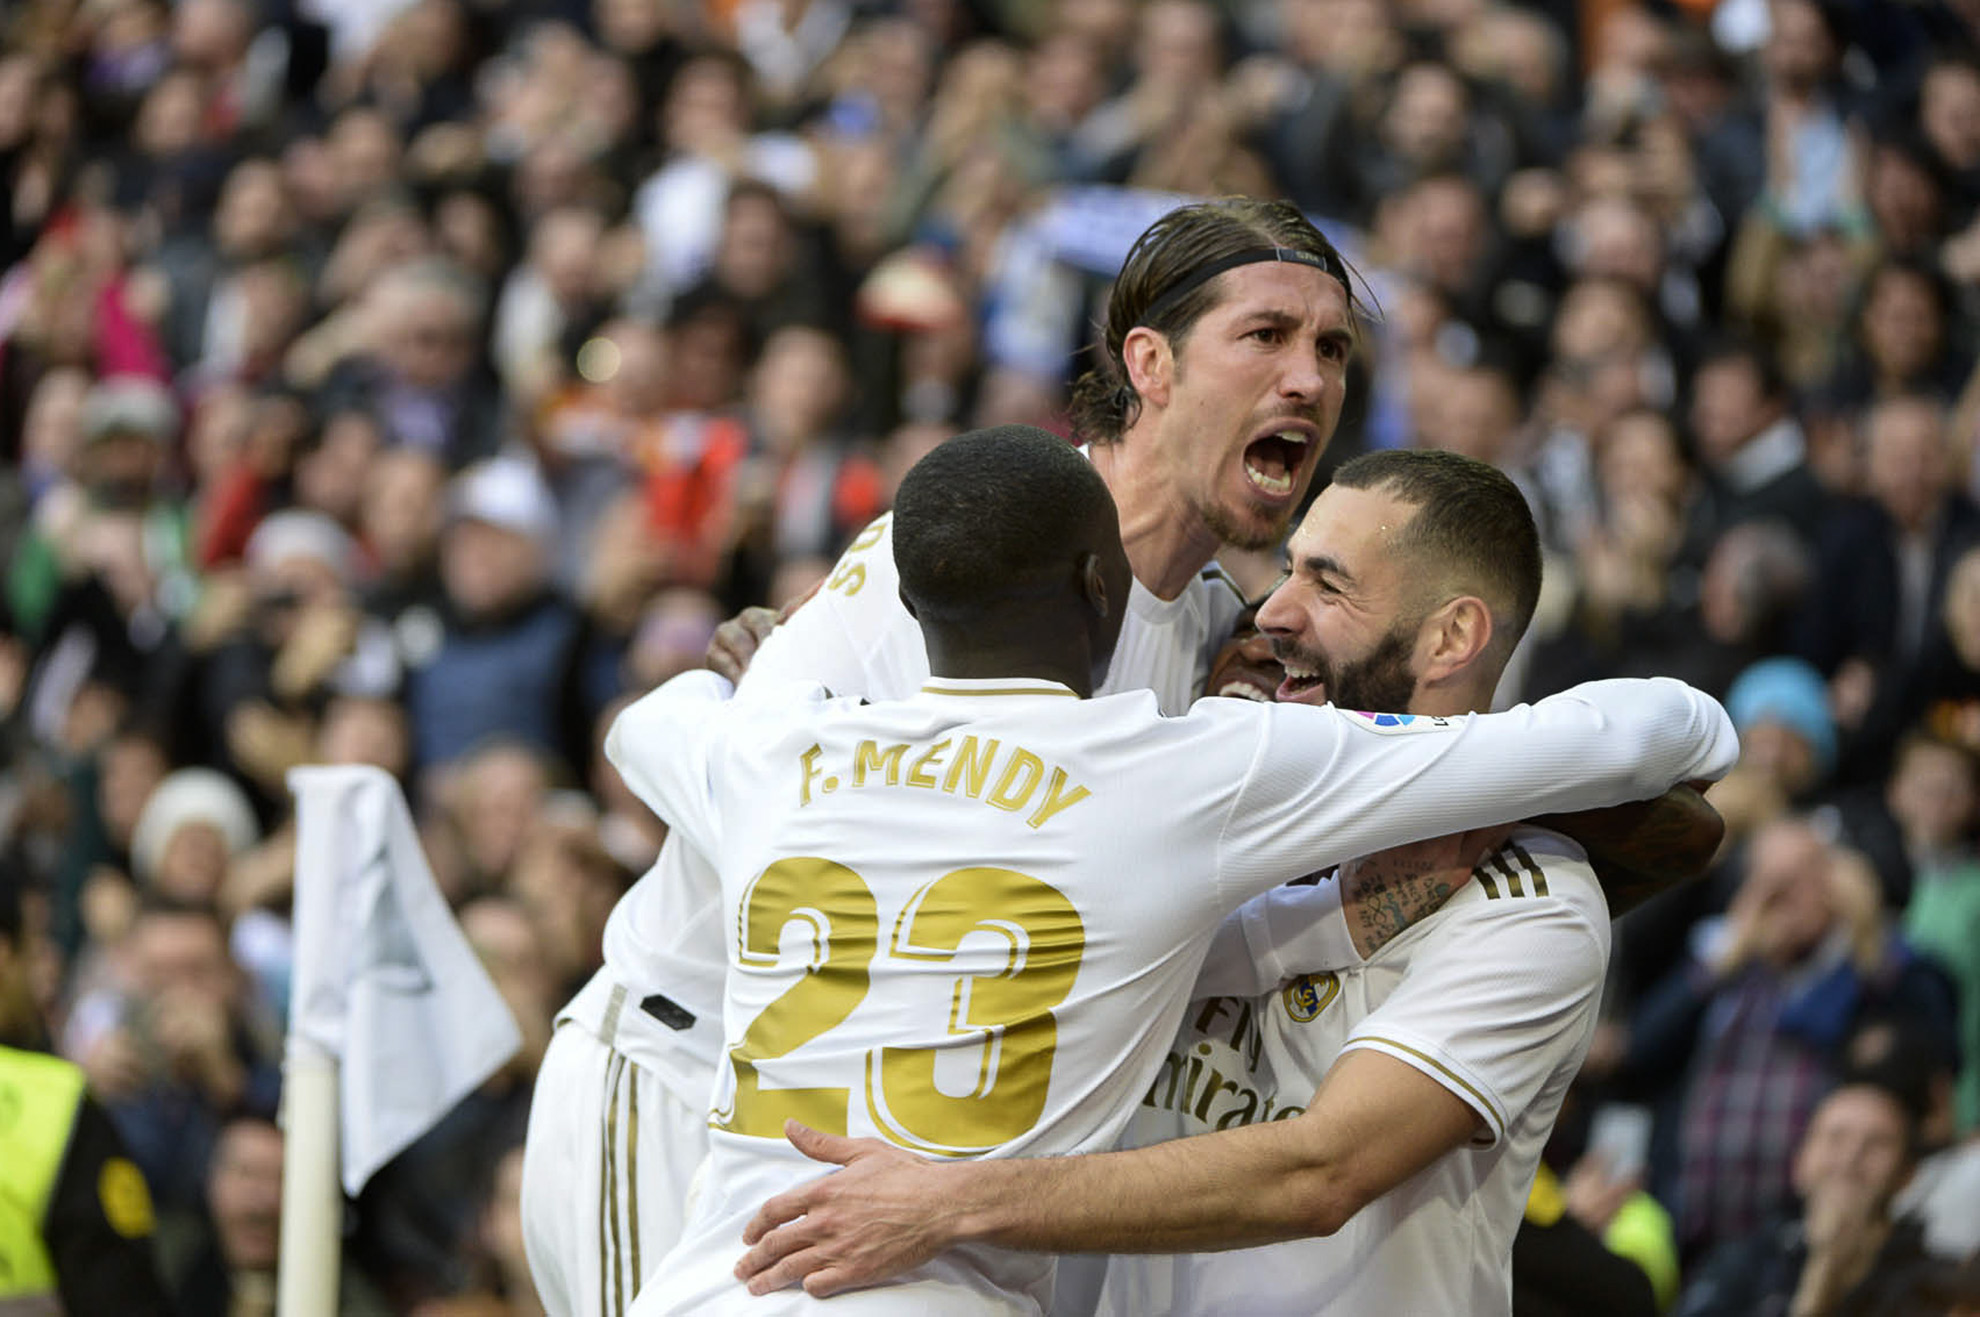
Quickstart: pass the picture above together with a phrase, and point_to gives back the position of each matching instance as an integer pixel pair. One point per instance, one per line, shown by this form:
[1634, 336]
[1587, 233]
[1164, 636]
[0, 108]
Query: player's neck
[977, 658]
[1452, 699]
[1167, 543]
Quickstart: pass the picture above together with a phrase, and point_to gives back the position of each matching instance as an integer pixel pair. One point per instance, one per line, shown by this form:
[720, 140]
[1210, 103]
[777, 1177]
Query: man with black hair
[1215, 390]
[1754, 450]
[1374, 1113]
[75, 1215]
[960, 862]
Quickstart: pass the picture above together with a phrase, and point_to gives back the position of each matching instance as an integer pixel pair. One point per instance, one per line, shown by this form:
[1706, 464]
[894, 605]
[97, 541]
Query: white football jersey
[1495, 996]
[968, 922]
[853, 638]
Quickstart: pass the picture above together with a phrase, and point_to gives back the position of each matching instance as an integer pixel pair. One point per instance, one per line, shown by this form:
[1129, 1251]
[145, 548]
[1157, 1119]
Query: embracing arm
[1647, 847]
[1374, 1122]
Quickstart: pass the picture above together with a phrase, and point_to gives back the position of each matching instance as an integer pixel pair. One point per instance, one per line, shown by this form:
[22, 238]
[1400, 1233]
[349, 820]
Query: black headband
[1327, 262]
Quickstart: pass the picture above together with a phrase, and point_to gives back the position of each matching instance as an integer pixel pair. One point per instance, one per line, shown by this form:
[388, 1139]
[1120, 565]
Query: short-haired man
[1384, 1121]
[1219, 384]
[1843, 1253]
[967, 922]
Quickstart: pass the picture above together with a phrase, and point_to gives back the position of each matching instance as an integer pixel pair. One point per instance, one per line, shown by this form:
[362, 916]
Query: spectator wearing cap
[192, 824]
[1755, 1020]
[506, 657]
[1787, 745]
[128, 424]
[1786, 730]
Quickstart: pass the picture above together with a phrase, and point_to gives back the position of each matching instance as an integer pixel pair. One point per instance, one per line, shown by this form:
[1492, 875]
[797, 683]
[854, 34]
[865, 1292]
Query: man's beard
[1378, 682]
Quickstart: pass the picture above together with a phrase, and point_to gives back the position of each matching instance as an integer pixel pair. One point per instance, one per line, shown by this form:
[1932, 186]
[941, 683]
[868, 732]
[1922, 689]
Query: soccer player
[1386, 1119]
[967, 922]
[1219, 385]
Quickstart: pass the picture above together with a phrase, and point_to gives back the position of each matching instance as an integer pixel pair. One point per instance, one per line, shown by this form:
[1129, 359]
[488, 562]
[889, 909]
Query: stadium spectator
[1755, 1023]
[1843, 1253]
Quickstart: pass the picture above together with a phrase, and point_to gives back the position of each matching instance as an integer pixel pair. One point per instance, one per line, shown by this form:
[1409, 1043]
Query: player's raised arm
[1329, 785]
[660, 744]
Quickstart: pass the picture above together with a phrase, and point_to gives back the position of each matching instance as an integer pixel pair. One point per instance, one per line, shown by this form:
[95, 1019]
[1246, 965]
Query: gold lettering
[977, 765]
[1240, 1115]
[808, 761]
[1217, 1085]
[867, 758]
[922, 774]
[1010, 793]
[1213, 1009]
[1172, 1067]
[1056, 798]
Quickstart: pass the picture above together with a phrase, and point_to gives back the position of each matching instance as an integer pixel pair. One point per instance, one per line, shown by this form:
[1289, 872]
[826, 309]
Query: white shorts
[607, 1167]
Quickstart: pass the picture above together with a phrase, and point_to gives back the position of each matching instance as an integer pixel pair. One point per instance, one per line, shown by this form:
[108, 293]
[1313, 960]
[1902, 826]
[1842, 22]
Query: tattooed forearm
[1646, 847]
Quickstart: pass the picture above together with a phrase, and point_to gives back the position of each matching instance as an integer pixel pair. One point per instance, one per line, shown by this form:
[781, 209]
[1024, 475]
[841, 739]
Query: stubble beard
[1244, 533]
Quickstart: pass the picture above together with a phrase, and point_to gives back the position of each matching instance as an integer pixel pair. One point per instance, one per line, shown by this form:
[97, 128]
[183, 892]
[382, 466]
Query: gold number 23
[1006, 1013]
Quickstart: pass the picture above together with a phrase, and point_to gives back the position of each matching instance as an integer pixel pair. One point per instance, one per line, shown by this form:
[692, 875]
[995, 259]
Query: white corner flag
[385, 981]
[392, 1019]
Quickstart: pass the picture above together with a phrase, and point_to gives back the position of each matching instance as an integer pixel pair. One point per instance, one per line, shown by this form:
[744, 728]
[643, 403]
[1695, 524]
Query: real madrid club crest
[1309, 994]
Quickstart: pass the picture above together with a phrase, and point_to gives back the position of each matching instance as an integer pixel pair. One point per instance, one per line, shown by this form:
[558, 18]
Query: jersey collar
[996, 687]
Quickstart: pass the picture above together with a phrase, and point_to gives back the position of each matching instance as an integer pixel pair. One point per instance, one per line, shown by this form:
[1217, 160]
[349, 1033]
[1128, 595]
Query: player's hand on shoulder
[874, 1218]
[736, 641]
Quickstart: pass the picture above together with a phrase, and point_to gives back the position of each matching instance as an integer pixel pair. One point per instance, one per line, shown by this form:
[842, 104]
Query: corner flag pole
[312, 1199]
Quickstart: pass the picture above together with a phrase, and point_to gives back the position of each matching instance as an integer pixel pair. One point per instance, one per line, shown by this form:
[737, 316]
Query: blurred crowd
[409, 382]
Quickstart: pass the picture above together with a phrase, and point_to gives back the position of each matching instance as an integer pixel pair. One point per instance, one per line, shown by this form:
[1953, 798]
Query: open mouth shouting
[1306, 674]
[1303, 686]
[1276, 458]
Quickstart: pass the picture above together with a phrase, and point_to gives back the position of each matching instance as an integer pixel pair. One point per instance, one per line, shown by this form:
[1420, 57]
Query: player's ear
[1093, 584]
[1454, 636]
[1149, 363]
[908, 604]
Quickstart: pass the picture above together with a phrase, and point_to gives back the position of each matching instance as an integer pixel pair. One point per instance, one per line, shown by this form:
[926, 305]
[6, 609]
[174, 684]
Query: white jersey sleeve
[660, 745]
[1327, 785]
[1492, 1028]
[853, 637]
[1292, 930]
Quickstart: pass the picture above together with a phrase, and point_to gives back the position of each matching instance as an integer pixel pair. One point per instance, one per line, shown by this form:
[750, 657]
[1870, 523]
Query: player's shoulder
[1220, 586]
[1536, 873]
[867, 558]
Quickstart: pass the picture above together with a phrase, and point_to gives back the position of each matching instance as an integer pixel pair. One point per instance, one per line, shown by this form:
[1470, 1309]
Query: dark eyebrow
[1319, 564]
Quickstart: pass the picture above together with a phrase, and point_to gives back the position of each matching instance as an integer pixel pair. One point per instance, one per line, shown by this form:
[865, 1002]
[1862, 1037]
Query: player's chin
[1247, 522]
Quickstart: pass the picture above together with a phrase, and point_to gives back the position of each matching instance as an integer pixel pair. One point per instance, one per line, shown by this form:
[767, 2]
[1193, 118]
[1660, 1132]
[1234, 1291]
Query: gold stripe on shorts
[632, 1177]
[617, 1283]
